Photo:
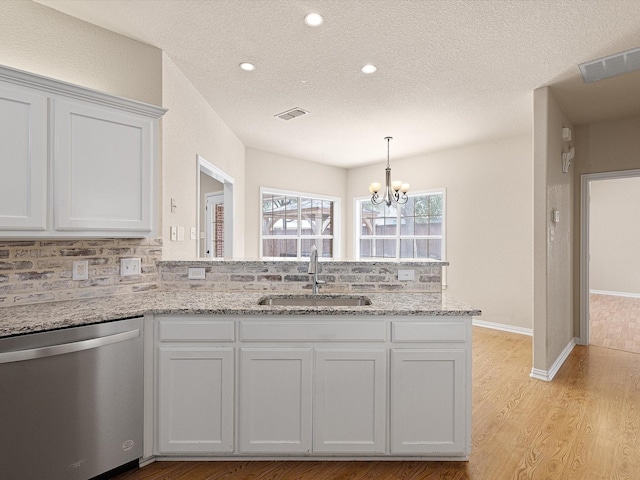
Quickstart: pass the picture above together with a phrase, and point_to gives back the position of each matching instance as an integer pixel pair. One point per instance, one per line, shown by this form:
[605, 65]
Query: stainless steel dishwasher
[71, 401]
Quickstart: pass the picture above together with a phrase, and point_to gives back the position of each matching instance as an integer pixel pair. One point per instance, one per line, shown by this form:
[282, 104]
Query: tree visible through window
[414, 230]
[293, 222]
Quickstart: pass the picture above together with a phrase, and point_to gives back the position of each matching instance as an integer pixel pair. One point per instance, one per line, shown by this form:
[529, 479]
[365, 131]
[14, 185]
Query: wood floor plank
[584, 425]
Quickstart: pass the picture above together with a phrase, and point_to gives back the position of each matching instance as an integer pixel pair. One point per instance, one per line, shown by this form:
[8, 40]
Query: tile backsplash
[41, 270]
[292, 276]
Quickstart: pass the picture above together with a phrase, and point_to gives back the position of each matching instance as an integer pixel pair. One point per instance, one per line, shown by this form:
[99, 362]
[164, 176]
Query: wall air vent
[610, 66]
[293, 113]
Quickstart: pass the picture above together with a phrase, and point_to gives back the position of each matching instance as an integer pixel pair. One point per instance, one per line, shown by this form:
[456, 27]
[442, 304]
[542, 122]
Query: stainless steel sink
[315, 301]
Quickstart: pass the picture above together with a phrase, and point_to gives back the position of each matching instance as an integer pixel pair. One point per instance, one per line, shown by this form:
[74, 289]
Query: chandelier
[395, 191]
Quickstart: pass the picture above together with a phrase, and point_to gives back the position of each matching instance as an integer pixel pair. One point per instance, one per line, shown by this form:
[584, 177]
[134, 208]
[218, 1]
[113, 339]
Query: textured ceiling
[449, 72]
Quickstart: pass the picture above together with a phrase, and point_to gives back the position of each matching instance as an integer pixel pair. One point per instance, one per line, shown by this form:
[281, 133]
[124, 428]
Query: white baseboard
[502, 327]
[615, 294]
[146, 461]
[547, 375]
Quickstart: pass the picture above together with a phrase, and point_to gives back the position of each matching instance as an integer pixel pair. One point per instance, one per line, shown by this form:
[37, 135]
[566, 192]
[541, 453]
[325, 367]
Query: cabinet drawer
[303, 331]
[429, 331]
[196, 331]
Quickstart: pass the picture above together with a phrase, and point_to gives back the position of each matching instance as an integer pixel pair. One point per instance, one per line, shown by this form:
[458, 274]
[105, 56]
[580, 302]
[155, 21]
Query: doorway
[211, 179]
[214, 225]
[610, 261]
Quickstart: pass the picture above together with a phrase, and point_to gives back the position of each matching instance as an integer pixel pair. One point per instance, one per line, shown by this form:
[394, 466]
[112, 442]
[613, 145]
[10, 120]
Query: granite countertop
[18, 320]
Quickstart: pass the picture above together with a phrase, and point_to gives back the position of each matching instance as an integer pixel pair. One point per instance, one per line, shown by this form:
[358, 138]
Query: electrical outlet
[196, 274]
[130, 266]
[406, 275]
[81, 270]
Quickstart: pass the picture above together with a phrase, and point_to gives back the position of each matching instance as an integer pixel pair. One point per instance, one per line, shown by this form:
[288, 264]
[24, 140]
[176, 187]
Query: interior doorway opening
[213, 181]
[610, 261]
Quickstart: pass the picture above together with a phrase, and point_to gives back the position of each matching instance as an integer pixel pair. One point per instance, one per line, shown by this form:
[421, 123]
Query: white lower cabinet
[195, 399]
[275, 400]
[350, 401]
[357, 387]
[428, 401]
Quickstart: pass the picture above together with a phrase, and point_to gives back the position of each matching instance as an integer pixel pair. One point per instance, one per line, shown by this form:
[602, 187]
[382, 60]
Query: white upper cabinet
[75, 162]
[23, 159]
[102, 164]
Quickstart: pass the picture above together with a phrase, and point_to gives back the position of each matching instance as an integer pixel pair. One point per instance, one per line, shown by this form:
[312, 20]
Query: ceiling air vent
[293, 113]
[611, 66]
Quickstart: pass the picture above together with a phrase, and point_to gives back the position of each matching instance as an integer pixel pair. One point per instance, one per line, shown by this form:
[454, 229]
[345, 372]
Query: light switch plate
[196, 273]
[130, 266]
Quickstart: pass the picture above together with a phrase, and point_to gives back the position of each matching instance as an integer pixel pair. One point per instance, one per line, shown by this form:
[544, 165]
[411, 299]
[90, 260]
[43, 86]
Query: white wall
[264, 169]
[553, 243]
[489, 218]
[191, 127]
[44, 41]
[614, 236]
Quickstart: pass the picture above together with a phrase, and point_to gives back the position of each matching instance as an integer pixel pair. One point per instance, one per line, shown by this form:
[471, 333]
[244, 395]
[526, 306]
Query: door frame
[585, 197]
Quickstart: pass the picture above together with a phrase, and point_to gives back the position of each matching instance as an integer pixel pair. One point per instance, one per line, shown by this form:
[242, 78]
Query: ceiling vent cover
[611, 66]
[293, 113]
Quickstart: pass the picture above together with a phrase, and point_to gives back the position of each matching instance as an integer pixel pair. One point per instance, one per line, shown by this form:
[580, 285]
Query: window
[292, 222]
[414, 230]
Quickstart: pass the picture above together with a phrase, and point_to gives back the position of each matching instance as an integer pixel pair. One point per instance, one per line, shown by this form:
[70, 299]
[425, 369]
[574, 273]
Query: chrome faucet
[313, 270]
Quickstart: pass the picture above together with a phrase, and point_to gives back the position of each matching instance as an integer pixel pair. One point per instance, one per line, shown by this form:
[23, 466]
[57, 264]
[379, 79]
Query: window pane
[291, 216]
[366, 248]
[384, 248]
[434, 249]
[407, 249]
[273, 247]
[414, 248]
[327, 217]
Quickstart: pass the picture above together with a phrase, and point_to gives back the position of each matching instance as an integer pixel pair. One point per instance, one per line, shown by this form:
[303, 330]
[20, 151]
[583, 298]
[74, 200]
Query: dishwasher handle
[42, 352]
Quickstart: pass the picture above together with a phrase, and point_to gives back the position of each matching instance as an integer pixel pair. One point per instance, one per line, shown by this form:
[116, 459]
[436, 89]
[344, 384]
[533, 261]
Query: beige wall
[44, 41]
[264, 169]
[553, 243]
[191, 127]
[614, 236]
[609, 146]
[489, 217]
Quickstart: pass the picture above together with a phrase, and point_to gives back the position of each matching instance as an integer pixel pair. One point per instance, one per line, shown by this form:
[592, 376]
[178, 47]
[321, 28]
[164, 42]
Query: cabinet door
[275, 400]
[350, 401]
[195, 400]
[102, 169]
[428, 402]
[23, 159]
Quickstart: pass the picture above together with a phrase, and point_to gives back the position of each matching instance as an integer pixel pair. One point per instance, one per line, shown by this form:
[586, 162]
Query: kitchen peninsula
[226, 377]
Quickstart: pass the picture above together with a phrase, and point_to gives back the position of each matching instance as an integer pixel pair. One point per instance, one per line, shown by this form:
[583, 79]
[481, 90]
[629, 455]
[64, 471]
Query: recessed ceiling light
[248, 67]
[313, 19]
[369, 68]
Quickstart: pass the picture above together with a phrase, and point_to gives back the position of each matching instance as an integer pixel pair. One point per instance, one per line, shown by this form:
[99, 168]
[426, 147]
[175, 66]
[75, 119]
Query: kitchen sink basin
[316, 301]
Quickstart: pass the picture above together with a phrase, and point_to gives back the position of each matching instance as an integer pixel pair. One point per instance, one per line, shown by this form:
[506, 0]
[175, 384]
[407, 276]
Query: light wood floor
[614, 322]
[584, 425]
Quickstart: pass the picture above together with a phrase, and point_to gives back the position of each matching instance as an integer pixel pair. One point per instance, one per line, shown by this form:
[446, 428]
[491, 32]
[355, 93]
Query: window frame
[335, 237]
[357, 236]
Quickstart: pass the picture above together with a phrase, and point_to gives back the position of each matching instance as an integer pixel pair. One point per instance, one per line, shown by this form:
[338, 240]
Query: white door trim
[585, 187]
